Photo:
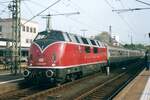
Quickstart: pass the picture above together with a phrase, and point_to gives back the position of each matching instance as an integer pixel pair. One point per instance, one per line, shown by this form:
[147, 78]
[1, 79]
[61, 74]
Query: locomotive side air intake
[49, 73]
[26, 73]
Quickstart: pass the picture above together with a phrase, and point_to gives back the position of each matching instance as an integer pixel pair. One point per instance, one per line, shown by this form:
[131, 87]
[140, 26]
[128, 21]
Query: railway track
[13, 86]
[110, 88]
[79, 89]
[21, 93]
[91, 87]
[79, 86]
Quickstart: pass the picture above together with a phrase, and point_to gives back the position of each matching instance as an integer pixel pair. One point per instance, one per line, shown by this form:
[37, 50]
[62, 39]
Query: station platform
[7, 77]
[137, 89]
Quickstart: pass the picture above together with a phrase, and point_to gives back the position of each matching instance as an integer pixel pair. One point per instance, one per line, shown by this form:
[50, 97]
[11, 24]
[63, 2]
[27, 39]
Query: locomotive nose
[26, 73]
[49, 73]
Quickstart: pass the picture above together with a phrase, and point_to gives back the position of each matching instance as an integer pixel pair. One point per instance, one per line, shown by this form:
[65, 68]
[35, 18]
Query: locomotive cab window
[87, 49]
[52, 36]
[40, 36]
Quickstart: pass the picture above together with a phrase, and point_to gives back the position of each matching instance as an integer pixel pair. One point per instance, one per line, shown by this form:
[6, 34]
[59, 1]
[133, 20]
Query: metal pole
[16, 35]
[110, 31]
[48, 24]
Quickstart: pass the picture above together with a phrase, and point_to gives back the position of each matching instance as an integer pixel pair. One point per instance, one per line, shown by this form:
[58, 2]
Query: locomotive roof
[47, 32]
[76, 38]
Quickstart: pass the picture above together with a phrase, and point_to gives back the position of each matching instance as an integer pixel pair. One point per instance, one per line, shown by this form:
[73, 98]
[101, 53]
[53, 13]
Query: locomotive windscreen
[45, 38]
[54, 35]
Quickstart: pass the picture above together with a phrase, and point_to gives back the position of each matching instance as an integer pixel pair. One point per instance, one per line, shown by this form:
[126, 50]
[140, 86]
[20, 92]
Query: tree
[104, 37]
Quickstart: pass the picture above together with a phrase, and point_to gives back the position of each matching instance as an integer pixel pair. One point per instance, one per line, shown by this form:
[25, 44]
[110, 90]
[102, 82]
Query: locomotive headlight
[49, 73]
[26, 73]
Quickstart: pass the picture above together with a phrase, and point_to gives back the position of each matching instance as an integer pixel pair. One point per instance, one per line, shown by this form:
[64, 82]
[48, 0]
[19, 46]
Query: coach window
[95, 50]
[77, 39]
[69, 37]
[84, 40]
[87, 49]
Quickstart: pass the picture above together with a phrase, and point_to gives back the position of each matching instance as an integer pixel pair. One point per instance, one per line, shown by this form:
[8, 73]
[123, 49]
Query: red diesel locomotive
[60, 55]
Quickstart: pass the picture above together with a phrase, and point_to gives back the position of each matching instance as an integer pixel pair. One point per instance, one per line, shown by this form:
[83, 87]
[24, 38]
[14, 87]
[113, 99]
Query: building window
[31, 29]
[27, 29]
[34, 30]
[28, 40]
[23, 28]
[0, 28]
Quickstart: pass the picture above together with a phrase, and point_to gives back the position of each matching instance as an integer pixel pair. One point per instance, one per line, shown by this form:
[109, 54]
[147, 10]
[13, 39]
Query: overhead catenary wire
[86, 14]
[4, 1]
[42, 11]
[70, 18]
[122, 3]
[122, 18]
[130, 9]
[143, 2]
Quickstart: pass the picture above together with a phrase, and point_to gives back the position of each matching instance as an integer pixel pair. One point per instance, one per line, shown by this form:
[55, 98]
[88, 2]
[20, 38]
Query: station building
[28, 33]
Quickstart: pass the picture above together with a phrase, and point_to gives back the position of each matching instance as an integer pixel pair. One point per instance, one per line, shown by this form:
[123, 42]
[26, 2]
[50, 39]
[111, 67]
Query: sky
[95, 17]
